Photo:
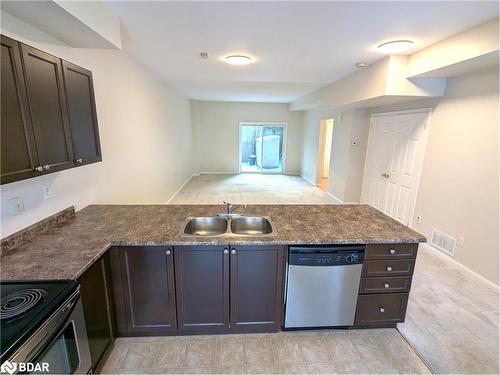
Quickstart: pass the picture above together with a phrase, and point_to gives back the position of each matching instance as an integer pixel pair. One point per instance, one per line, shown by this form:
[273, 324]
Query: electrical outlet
[460, 242]
[418, 219]
[17, 205]
[46, 192]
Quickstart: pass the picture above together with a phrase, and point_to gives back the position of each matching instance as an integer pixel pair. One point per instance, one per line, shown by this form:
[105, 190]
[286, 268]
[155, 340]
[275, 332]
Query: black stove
[24, 306]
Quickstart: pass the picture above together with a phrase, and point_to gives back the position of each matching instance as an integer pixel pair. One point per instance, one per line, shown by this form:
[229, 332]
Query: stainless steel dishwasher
[322, 285]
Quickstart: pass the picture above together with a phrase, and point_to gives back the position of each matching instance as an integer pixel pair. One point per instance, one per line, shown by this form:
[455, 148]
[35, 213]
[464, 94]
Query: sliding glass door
[262, 147]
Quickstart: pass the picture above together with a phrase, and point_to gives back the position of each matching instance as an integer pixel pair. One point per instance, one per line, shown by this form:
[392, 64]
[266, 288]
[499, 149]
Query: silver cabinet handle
[392, 251]
[381, 309]
[79, 160]
[39, 169]
[233, 252]
[389, 269]
[168, 252]
[46, 167]
[226, 251]
[386, 285]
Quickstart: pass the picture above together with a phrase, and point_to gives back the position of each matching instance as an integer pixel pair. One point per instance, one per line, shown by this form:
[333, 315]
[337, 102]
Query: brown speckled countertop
[67, 250]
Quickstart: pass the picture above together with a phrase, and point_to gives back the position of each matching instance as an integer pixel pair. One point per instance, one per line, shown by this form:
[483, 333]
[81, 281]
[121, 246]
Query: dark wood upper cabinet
[82, 113]
[146, 279]
[202, 286]
[18, 152]
[48, 113]
[47, 103]
[256, 288]
[97, 301]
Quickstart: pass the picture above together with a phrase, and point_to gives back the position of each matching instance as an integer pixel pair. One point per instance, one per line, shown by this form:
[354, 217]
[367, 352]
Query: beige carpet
[250, 188]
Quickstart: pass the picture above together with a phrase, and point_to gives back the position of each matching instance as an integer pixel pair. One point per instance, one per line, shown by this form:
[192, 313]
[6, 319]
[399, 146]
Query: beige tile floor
[452, 319]
[305, 352]
[250, 188]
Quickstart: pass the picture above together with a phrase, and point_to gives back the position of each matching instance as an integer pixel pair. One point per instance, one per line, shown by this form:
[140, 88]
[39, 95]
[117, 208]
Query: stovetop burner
[24, 306]
[19, 302]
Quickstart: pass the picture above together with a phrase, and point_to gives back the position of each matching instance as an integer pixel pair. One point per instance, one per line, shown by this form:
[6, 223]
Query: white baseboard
[181, 187]
[456, 264]
[308, 180]
[339, 201]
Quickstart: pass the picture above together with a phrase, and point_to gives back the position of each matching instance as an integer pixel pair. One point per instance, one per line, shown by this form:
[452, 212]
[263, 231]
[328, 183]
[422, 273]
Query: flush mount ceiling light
[395, 46]
[238, 59]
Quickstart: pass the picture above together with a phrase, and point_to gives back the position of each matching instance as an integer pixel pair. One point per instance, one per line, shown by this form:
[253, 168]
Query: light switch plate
[46, 192]
[17, 205]
[460, 242]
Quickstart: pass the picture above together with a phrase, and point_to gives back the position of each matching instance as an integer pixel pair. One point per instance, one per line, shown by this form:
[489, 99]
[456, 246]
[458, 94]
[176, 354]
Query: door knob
[39, 169]
[392, 251]
[389, 269]
[79, 160]
[46, 167]
[385, 175]
[386, 285]
[381, 309]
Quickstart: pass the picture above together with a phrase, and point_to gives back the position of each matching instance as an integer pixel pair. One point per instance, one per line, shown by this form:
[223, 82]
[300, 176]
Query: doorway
[262, 148]
[324, 153]
[394, 160]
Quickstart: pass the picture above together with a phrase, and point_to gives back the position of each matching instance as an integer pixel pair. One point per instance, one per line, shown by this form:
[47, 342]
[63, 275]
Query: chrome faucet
[230, 209]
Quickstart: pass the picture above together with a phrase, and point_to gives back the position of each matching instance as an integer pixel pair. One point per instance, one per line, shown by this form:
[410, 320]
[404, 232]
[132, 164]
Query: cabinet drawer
[385, 285]
[391, 251]
[376, 309]
[389, 267]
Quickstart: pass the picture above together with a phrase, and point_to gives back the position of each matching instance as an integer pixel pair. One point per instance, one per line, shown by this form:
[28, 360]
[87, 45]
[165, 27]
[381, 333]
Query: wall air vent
[444, 242]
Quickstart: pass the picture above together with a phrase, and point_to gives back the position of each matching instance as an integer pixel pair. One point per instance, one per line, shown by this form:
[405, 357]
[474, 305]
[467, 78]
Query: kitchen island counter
[67, 250]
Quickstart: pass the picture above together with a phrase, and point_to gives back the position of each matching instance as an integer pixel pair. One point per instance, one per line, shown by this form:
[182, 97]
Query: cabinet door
[256, 288]
[147, 283]
[45, 89]
[82, 114]
[96, 297]
[202, 286]
[18, 153]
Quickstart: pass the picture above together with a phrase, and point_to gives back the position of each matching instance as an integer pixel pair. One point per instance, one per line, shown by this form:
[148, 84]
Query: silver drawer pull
[79, 160]
[233, 251]
[226, 251]
[389, 269]
[39, 169]
[46, 167]
[168, 252]
[392, 251]
[386, 285]
[381, 309]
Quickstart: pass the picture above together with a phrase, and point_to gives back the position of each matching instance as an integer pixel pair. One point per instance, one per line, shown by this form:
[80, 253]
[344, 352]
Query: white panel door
[394, 160]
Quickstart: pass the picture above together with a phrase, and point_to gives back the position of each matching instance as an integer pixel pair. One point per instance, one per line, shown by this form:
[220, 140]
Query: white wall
[347, 160]
[459, 186]
[218, 132]
[145, 131]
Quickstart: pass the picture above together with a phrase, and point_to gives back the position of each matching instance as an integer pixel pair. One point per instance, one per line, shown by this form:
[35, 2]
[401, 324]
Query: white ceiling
[298, 46]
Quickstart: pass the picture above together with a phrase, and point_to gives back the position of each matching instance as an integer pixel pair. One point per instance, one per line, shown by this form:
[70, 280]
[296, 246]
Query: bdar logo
[8, 367]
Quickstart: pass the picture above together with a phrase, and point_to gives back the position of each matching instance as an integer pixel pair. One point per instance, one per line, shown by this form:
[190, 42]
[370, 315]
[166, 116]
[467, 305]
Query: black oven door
[60, 346]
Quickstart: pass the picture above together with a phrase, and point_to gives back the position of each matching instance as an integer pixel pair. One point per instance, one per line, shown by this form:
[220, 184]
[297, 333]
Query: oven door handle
[68, 309]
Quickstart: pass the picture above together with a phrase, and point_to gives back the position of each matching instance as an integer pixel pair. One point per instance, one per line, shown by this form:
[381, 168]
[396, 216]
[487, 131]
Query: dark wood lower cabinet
[256, 288]
[143, 278]
[376, 309]
[202, 286]
[97, 301]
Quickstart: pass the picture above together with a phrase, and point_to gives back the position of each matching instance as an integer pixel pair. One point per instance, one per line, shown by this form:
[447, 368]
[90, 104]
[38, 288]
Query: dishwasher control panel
[326, 256]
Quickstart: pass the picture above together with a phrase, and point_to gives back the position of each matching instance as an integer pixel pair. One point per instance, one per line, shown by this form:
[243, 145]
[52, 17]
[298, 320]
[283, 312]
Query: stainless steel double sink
[218, 226]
